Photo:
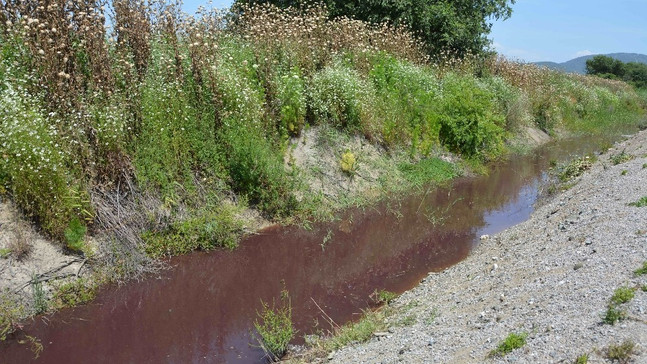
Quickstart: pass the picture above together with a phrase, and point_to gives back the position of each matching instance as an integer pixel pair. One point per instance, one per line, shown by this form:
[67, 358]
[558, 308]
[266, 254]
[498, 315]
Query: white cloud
[583, 53]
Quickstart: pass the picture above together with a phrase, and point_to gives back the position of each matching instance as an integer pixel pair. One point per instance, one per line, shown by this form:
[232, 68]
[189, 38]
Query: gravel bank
[551, 277]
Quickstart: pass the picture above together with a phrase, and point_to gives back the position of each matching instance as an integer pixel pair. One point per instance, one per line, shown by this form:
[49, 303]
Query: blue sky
[557, 30]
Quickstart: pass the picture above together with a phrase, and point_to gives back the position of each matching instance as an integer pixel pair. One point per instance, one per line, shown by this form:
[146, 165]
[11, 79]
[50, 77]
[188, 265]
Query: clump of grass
[218, 228]
[642, 202]
[511, 342]
[620, 158]
[575, 168]
[621, 352]
[642, 270]
[74, 293]
[624, 172]
[383, 296]
[354, 332]
[582, 359]
[274, 325]
[39, 297]
[622, 295]
[613, 315]
[74, 235]
[428, 170]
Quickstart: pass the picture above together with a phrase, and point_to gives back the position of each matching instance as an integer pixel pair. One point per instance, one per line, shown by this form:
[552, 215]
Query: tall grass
[192, 108]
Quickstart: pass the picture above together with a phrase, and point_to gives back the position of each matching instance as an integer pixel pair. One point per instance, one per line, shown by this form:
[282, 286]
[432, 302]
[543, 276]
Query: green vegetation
[191, 117]
[621, 352]
[512, 342]
[620, 158]
[74, 235]
[582, 359]
[604, 66]
[274, 325]
[642, 270]
[353, 332]
[217, 227]
[383, 296]
[74, 293]
[622, 295]
[642, 202]
[38, 296]
[613, 315]
[10, 312]
[348, 163]
[575, 168]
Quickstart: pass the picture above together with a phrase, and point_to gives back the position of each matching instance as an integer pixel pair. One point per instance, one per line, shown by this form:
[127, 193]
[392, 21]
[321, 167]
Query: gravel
[551, 277]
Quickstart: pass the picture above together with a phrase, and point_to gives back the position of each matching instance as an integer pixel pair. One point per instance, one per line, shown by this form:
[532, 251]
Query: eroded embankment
[551, 277]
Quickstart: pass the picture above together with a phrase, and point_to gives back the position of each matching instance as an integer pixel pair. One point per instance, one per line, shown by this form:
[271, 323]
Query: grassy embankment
[182, 122]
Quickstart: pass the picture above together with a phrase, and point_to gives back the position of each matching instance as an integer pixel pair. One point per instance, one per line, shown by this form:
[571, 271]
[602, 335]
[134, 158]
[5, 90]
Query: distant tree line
[456, 27]
[604, 66]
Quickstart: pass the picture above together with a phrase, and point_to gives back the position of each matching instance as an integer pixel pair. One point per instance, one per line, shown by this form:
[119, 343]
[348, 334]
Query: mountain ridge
[578, 65]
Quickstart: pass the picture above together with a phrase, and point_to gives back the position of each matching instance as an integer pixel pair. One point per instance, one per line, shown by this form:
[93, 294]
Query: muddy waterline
[202, 310]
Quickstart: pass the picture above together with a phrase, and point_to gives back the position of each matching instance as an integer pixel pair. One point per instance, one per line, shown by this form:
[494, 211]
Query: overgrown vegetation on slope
[189, 114]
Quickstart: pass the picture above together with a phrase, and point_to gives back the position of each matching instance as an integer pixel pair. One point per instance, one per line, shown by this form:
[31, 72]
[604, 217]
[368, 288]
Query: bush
[212, 229]
[338, 95]
[274, 325]
[470, 123]
[256, 169]
[74, 293]
[33, 163]
[291, 101]
[407, 97]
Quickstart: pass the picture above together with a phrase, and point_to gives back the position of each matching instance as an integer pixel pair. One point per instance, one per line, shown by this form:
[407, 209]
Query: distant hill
[578, 65]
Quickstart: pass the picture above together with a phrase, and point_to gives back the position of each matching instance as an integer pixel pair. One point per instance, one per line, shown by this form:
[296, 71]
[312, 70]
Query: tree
[605, 65]
[459, 27]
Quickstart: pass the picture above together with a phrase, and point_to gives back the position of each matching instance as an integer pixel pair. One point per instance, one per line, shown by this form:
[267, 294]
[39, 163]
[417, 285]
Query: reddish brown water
[202, 310]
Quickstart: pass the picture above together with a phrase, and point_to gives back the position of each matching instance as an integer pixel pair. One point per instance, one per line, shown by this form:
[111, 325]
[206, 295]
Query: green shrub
[33, 165]
[74, 235]
[470, 123]
[338, 95]
[256, 170]
[274, 325]
[512, 342]
[217, 228]
[582, 359]
[407, 95]
[74, 293]
[291, 99]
